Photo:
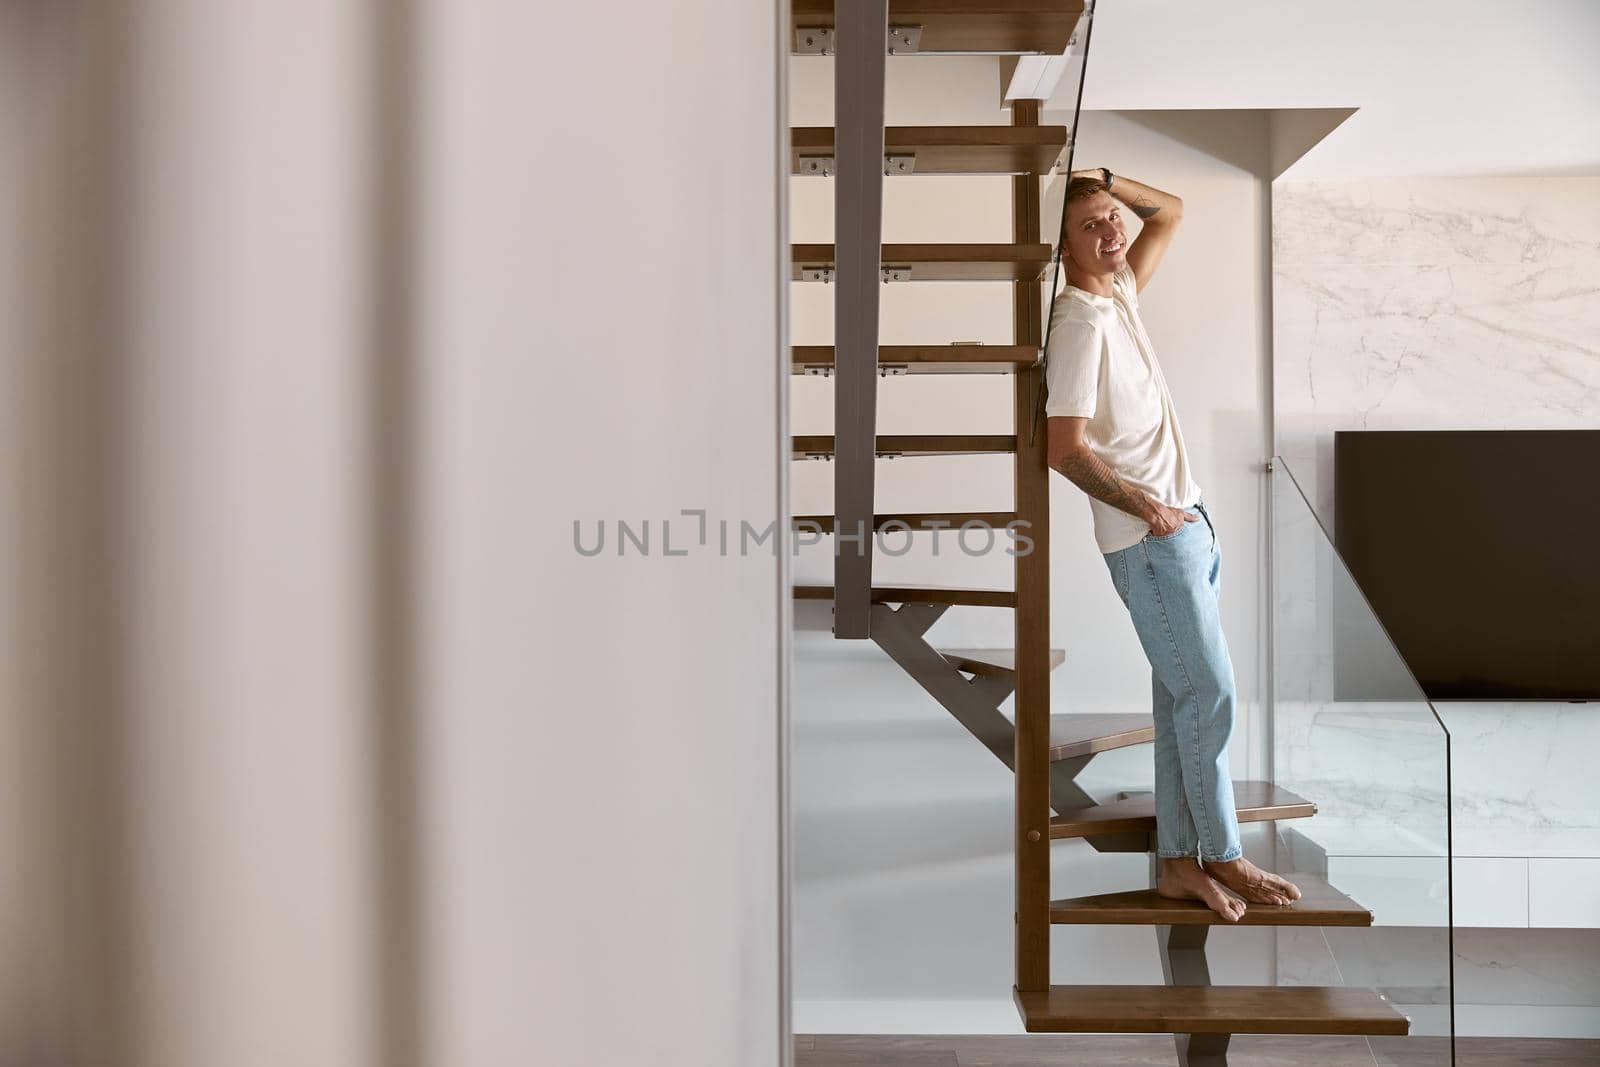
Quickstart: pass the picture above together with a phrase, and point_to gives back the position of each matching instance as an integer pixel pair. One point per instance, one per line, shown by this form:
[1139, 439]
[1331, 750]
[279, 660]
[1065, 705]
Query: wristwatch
[1106, 173]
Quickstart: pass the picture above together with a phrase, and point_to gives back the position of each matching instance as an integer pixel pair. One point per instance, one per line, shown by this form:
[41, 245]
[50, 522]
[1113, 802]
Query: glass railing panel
[1354, 733]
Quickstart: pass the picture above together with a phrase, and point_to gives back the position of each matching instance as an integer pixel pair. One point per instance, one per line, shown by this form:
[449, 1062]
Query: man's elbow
[1064, 453]
[1168, 217]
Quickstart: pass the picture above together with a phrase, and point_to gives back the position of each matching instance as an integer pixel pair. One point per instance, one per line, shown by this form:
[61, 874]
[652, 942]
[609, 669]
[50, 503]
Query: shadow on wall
[1263, 141]
[875, 840]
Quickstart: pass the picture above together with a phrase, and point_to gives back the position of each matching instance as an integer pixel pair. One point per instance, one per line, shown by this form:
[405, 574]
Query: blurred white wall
[600, 337]
[241, 635]
[320, 743]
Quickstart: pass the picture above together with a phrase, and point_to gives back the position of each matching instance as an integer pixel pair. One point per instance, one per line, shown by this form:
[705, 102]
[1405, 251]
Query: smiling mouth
[1114, 247]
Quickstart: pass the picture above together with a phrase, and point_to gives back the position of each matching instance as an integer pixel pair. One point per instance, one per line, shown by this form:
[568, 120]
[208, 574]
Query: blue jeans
[1170, 586]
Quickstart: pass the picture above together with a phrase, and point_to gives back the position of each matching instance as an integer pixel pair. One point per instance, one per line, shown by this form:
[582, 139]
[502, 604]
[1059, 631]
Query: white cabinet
[1501, 876]
[1490, 891]
[1564, 891]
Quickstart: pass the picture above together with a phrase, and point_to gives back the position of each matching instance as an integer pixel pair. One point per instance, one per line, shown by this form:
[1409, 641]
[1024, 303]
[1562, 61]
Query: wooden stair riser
[937, 262]
[964, 27]
[1255, 802]
[890, 445]
[919, 594]
[915, 521]
[1319, 905]
[945, 149]
[1133, 1009]
[927, 359]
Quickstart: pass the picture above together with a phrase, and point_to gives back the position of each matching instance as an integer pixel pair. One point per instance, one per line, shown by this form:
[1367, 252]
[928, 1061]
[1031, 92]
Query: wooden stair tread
[999, 27]
[920, 594]
[946, 521]
[1319, 905]
[1073, 734]
[1160, 1009]
[930, 359]
[951, 149]
[944, 262]
[1253, 801]
[918, 444]
[993, 661]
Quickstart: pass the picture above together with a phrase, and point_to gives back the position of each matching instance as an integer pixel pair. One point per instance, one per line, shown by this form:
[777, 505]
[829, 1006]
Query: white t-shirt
[1101, 366]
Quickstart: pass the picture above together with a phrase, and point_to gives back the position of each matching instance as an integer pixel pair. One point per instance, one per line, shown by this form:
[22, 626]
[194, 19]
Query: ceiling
[1440, 87]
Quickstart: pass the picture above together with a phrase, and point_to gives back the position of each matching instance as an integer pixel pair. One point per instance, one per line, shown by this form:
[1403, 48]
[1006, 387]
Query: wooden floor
[1245, 1050]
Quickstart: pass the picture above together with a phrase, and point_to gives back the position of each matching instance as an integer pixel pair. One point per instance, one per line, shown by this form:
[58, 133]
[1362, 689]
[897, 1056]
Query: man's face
[1096, 240]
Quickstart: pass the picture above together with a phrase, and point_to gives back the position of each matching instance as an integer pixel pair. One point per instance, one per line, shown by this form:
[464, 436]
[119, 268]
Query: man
[1113, 432]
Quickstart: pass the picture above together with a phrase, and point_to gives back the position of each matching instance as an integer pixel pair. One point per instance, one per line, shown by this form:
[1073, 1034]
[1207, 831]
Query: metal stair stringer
[862, 33]
[975, 702]
[1184, 963]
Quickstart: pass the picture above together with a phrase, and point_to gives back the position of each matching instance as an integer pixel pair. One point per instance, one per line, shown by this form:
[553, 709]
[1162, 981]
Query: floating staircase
[1046, 751]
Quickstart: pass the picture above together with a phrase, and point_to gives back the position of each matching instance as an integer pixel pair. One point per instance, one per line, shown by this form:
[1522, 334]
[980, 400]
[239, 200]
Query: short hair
[1082, 188]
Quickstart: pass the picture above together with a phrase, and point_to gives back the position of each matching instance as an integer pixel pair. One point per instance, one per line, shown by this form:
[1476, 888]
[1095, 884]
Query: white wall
[903, 823]
[601, 335]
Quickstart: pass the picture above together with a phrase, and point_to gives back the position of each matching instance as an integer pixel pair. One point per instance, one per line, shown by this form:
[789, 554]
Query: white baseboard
[1528, 1020]
[996, 1015]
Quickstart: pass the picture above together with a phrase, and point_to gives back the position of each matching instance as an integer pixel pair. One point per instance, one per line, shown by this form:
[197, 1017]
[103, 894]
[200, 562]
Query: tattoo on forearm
[1089, 473]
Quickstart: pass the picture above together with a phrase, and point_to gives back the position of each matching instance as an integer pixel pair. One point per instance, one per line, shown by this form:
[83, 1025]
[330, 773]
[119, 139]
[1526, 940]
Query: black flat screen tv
[1480, 553]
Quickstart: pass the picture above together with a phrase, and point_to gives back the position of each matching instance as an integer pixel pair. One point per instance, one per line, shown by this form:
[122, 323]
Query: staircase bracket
[960, 697]
[1065, 793]
[1129, 842]
[918, 619]
[905, 40]
[894, 165]
[813, 40]
[1183, 963]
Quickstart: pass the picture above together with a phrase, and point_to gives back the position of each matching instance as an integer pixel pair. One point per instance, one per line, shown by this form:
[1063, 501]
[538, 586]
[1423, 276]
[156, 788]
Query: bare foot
[1252, 883]
[1184, 879]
